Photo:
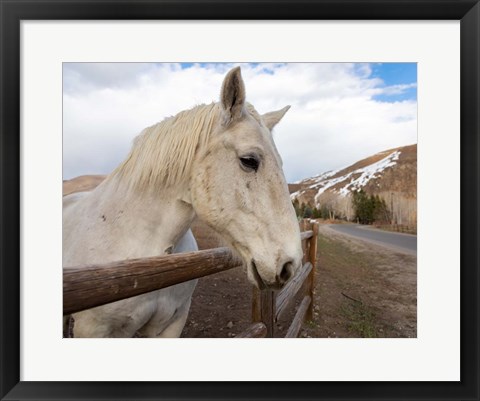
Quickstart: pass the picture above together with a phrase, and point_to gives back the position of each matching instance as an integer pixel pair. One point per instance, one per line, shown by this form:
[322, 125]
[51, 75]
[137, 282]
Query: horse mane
[162, 155]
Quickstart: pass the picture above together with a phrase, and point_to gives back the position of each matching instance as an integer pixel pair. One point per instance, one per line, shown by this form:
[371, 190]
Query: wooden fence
[269, 306]
[89, 286]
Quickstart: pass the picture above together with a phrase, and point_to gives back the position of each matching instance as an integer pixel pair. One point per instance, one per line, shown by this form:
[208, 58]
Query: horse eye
[249, 163]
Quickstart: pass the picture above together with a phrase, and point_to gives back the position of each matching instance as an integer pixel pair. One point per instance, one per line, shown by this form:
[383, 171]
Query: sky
[340, 112]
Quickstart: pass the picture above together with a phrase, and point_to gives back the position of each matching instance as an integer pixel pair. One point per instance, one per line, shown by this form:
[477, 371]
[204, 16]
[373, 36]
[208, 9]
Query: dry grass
[397, 228]
[362, 290]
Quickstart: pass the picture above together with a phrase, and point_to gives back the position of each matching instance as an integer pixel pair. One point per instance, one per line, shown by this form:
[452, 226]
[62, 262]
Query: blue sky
[341, 112]
[392, 74]
[397, 74]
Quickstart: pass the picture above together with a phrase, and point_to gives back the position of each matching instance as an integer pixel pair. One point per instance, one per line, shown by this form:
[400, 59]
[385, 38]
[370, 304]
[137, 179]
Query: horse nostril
[286, 272]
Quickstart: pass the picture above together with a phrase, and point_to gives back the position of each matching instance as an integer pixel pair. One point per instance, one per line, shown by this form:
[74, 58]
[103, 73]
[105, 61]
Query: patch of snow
[330, 183]
[327, 174]
[367, 173]
[294, 195]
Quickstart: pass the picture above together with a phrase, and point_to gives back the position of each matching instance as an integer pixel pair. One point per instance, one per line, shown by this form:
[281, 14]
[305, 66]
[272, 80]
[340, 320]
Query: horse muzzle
[272, 281]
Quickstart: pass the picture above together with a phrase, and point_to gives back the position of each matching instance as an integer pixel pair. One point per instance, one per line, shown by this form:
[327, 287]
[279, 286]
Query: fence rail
[285, 297]
[89, 286]
[86, 287]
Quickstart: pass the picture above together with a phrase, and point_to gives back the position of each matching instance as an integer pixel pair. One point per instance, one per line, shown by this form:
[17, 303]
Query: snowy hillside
[351, 180]
[391, 174]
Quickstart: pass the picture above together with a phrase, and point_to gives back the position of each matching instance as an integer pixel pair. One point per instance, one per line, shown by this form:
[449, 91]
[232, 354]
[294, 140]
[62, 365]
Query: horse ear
[232, 96]
[273, 118]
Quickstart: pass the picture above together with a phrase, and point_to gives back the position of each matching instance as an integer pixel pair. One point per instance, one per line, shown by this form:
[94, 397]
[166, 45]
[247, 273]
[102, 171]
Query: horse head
[239, 189]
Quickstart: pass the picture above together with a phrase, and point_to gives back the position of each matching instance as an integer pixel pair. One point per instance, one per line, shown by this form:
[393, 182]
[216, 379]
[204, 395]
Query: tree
[302, 209]
[296, 206]
[308, 212]
[369, 208]
[361, 204]
[381, 212]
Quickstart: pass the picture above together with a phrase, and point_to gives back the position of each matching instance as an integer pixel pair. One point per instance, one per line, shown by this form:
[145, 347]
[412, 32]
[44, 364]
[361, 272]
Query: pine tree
[369, 209]
[296, 206]
[308, 212]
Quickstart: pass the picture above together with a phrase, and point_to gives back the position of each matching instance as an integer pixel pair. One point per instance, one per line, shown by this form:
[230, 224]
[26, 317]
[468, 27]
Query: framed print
[412, 71]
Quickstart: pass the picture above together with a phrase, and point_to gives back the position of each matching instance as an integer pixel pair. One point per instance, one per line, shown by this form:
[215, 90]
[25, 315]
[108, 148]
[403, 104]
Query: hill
[81, 183]
[391, 174]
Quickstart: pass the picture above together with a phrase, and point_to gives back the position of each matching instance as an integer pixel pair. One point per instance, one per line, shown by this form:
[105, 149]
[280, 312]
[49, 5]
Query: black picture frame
[12, 12]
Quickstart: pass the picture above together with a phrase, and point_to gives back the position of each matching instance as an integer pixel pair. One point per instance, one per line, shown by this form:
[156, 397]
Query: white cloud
[334, 120]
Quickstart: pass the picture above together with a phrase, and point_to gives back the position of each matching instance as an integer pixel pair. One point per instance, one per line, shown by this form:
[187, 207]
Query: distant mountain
[81, 183]
[391, 174]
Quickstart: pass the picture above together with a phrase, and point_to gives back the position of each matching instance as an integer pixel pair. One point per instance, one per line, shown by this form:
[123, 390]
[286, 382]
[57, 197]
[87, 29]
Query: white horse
[217, 162]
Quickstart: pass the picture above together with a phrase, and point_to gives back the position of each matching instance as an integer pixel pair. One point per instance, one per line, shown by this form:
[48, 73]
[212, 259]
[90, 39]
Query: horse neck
[162, 215]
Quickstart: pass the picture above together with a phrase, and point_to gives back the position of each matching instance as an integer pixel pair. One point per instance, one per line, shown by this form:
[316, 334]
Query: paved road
[401, 242]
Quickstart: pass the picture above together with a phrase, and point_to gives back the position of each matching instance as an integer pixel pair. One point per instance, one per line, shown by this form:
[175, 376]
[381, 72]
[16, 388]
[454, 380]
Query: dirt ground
[362, 290]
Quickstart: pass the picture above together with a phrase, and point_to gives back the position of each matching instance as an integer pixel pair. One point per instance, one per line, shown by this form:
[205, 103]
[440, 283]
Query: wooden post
[304, 227]
[312, 258]
[256, 305]
[264, 309]
[268, 302]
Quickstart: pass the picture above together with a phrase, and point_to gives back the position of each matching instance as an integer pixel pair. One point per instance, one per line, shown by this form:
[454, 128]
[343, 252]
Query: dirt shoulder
[362, 290]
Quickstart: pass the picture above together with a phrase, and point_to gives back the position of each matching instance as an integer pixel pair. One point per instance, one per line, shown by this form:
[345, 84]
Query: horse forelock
[254, 113]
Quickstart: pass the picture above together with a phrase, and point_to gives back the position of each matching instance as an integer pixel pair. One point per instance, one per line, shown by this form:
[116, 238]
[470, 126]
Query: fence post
[256, 305]
[305, 227]
[312, 258]
[264, 309]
